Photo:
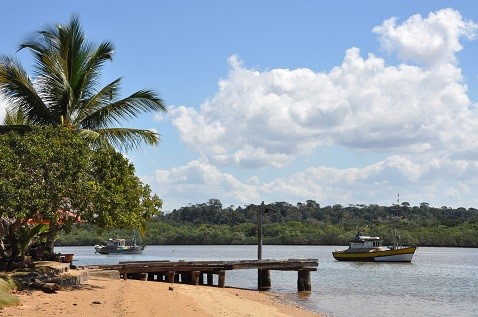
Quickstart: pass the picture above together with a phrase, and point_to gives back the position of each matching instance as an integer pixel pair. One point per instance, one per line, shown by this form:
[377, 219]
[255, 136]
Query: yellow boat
[367, 248]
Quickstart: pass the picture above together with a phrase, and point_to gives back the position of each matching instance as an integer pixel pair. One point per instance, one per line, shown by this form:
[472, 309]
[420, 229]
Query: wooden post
[171, 275]
[201, 278]
[259, 231]
[195, 277]
[125, 276]
[264, 278]
[303, 280]
[222, 279]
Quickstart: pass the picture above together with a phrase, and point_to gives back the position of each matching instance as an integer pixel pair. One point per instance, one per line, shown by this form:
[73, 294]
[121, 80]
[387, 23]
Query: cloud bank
[416, 114]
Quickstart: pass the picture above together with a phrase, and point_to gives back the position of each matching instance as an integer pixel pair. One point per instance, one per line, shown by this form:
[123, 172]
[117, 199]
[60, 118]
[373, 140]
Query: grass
[6, 296]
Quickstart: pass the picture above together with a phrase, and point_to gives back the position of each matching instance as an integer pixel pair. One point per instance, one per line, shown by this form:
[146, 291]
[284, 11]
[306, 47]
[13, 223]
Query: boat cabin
[112, 242]
[366, 242]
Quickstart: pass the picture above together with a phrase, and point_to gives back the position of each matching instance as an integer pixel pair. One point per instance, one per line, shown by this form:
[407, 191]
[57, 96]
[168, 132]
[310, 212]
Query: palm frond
[92, 69]
[128, 139]
[15, 118]
[95, 103]
[125, 109]
[94, 139]
[19, 91]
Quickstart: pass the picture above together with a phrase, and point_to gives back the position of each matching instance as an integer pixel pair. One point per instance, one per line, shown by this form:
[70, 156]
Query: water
[438, 282]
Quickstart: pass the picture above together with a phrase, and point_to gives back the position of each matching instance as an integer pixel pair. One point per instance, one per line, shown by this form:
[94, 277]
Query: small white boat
[119, 246]
[367, 248]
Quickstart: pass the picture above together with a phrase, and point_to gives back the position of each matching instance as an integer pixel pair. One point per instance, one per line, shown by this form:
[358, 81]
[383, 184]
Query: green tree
[65, 89]
[51, 178]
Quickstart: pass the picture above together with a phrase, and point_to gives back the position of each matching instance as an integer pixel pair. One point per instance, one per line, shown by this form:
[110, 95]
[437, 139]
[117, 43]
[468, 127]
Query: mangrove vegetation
[300, 224]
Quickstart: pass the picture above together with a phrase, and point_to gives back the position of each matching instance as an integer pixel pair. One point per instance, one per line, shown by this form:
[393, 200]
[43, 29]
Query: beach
[108, 297]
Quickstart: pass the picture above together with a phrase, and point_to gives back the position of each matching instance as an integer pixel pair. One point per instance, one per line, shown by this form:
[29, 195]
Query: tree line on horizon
[306, 223]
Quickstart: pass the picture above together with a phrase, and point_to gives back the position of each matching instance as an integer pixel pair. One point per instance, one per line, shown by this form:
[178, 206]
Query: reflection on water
[438, 282]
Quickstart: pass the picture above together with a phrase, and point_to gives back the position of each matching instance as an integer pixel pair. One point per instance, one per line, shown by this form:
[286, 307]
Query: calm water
[439, 281]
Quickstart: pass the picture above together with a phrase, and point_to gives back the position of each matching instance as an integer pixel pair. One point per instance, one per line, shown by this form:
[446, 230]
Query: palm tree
[65, 92]
[13, 118]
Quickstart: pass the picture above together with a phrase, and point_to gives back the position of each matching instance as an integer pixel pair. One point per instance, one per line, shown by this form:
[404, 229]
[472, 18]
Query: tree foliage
[50, 178]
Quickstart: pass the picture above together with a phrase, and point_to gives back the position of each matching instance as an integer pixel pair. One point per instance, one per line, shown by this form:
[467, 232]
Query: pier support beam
[195, 277]
[303, 280]
[222, 279]
[263, 279]
[171, 275]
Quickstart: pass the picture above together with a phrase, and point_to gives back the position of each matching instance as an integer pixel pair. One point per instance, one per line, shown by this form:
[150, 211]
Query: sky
[340, 102]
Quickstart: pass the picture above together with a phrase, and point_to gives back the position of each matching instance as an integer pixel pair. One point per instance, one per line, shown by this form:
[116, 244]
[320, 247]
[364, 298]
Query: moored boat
[367, 248]
[119, 246]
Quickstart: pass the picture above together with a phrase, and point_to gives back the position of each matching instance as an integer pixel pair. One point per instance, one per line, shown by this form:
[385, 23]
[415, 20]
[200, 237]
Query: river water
[438, 282]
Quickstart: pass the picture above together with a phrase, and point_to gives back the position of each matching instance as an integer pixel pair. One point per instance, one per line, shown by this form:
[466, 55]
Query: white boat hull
[126, 250]
[395, 258]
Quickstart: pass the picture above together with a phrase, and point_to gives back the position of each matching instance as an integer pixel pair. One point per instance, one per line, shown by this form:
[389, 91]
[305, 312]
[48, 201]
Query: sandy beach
[119, 298]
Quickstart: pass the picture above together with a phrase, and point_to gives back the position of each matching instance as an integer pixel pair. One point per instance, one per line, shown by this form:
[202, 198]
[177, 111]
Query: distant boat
[119, 246]
[367, 248]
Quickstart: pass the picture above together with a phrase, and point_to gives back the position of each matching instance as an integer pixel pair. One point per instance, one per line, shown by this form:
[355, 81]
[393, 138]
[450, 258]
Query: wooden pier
[193, 272]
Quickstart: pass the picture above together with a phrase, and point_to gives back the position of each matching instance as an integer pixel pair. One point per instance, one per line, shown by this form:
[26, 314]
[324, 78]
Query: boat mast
[396, 242]
[398, 204]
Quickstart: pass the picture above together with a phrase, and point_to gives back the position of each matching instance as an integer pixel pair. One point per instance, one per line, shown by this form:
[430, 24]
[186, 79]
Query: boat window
[377, 243]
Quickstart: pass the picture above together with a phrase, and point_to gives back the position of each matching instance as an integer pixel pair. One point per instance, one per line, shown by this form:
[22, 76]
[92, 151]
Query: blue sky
[341, 102]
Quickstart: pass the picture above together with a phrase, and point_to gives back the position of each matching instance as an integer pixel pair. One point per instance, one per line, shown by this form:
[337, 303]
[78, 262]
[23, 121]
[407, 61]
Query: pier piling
[303, 280]
[264, 279]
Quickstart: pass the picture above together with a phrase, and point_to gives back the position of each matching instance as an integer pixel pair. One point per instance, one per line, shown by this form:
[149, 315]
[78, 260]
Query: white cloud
[200, 181]
[417, 180]
[430, 41]
[268, 118]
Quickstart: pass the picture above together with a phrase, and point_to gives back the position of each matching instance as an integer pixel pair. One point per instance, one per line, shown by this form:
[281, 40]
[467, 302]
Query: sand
[104, 297]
